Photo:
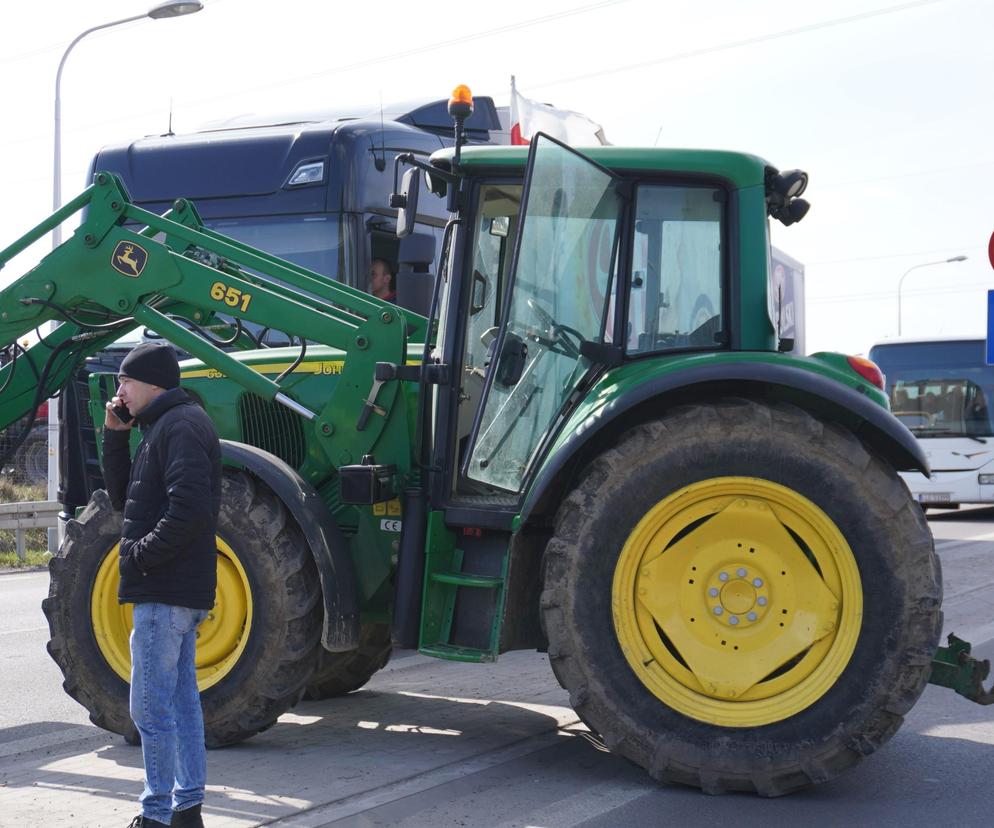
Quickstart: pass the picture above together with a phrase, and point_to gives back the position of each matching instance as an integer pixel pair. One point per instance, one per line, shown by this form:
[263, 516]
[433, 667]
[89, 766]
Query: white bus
[943, 390]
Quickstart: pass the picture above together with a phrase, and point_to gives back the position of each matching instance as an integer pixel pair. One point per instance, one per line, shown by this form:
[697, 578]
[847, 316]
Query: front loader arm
[125, 267]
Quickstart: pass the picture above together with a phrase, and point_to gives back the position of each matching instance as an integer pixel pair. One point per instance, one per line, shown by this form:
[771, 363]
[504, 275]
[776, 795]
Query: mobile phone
[122, 413]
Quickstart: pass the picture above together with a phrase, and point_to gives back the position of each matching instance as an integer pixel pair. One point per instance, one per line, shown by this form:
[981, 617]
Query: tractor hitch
[954, 667]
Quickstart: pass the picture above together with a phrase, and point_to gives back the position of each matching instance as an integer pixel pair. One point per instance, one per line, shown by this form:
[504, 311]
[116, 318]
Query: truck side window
[675, 299]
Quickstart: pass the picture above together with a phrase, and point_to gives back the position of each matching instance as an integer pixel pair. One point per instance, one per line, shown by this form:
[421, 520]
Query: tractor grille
[273, 428]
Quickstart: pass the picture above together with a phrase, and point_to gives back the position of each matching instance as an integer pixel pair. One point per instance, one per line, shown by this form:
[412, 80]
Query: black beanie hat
[153, 363]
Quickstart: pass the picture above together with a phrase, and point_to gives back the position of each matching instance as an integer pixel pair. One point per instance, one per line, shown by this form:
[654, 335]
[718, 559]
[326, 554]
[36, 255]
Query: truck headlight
[985, 479]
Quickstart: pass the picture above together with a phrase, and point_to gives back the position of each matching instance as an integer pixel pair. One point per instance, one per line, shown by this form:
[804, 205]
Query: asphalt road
[430, 743]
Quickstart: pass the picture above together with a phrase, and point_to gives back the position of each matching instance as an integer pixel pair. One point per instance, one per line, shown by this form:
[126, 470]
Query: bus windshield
[939, 389]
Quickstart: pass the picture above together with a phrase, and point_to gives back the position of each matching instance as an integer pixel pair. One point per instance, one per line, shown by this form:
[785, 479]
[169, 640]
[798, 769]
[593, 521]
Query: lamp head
[175, 8]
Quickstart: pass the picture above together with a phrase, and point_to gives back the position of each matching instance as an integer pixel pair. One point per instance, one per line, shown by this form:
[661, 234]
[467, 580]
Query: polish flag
[529, 117]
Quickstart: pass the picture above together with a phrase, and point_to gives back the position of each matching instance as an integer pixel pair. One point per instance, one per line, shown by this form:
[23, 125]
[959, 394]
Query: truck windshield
[559, 298]
[314, 242]
[939, 389]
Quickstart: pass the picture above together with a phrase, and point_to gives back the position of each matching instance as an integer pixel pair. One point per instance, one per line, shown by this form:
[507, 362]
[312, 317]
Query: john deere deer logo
[129, 259]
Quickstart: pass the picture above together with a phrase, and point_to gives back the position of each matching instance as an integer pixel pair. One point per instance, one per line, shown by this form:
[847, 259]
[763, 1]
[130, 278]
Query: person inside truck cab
[382, 282]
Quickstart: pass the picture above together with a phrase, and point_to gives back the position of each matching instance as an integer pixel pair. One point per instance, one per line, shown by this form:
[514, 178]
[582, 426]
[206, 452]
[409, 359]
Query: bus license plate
[934, 497]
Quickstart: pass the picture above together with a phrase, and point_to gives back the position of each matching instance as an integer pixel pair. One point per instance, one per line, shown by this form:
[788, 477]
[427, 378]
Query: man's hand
[111, 420]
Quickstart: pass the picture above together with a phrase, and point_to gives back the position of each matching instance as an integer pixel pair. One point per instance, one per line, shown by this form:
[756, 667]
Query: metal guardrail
[30, 514]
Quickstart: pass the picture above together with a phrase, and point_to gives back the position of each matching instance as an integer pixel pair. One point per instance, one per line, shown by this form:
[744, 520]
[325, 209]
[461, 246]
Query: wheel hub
[738, 595]
[221, 638]
[737, 591]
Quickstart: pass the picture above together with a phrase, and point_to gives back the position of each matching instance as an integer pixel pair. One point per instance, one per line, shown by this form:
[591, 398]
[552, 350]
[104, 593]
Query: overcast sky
[886, 104]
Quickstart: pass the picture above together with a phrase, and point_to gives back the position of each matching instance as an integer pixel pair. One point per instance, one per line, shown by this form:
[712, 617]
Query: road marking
[59, 737]
[322, 815]
[977, 636]
[950, 544]
[23, 576]
[27, 630]
[594, 801]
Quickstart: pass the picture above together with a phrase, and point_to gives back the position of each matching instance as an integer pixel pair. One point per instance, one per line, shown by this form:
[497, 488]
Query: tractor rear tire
[341, 673]
[257, 648]
[752, 512]
[31, 460]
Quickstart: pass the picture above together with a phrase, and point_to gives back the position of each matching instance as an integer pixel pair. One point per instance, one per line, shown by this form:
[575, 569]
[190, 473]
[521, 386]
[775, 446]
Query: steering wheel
[557, 335]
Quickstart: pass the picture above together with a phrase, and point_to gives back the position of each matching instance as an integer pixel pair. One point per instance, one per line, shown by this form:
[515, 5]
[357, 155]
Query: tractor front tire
[741, 597]
[340, 673]
[255, 651]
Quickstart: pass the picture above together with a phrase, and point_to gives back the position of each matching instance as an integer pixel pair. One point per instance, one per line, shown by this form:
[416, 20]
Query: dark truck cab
[310, 188]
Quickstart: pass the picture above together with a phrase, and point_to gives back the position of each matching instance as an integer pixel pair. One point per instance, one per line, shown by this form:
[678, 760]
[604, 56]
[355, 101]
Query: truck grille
[273, 428]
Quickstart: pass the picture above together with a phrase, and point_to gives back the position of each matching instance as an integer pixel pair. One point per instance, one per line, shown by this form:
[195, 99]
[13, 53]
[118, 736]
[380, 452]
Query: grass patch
[32, 558]
[11, 492]
[35, 540]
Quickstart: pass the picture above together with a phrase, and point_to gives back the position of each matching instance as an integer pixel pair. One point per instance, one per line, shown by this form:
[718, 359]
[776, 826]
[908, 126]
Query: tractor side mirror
[408, 202]
[500, 226]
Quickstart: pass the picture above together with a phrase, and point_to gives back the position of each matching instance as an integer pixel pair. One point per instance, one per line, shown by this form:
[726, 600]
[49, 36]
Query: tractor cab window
[675, 300]
[496, 221]
[557, 298]
[497, 211]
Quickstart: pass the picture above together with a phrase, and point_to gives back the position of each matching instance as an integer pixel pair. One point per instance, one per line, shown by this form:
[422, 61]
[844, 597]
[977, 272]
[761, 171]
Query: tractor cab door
[557, 309]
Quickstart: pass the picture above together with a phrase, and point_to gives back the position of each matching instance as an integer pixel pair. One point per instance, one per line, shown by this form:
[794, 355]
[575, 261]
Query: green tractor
[595, 445]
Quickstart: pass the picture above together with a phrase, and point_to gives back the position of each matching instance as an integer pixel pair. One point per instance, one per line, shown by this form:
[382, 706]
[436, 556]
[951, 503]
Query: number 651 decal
[231, 296]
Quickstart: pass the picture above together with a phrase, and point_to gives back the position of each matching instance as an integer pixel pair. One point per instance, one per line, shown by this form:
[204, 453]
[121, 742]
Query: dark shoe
[142, 821]
[187, 818]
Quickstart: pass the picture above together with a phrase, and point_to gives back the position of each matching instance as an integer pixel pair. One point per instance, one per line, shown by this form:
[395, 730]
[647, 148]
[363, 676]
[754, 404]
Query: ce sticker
[390, 525]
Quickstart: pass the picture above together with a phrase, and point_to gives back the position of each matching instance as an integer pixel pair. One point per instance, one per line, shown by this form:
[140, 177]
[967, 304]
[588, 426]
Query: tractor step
[464, 586]
[451, 652]
[467, 580]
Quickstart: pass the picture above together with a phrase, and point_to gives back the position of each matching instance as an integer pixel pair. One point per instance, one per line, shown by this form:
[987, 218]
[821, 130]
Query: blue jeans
[165, 707]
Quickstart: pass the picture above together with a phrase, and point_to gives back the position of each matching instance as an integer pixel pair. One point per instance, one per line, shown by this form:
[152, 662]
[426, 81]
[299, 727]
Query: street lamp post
[900, 282]
[171, 8]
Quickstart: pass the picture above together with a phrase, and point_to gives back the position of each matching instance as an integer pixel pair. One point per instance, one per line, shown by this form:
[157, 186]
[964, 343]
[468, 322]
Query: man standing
[381, 281]
[170, 495]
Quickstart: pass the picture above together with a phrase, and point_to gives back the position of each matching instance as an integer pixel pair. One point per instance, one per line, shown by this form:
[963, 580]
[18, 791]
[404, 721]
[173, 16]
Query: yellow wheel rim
[221, 638]
[737, 601]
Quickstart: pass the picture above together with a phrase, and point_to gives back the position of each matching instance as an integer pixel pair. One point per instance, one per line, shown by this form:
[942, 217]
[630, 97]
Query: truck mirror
[409, 199]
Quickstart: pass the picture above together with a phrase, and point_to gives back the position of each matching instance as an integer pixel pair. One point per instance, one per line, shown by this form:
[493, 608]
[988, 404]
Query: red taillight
[42, 411]
[868, 370]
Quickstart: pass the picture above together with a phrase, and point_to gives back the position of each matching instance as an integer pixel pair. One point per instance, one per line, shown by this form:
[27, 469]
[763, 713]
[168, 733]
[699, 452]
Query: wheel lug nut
[723, 576]
[733, 620]
[751, 616]
[718, 610]
[713, 592]
[757, 582]
[741, 572]
[761, 600]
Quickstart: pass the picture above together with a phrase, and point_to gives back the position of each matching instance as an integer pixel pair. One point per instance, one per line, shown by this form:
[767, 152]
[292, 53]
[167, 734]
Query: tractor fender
[821, 395]
[340, 632]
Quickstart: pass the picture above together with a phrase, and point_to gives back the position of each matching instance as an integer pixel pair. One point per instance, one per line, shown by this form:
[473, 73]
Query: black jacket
[170, 495]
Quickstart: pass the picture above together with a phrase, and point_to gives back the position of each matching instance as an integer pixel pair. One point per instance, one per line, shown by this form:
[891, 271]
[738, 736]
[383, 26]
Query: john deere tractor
[595, 445]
